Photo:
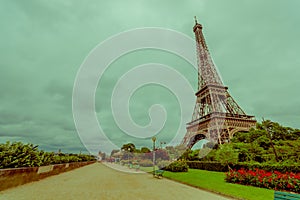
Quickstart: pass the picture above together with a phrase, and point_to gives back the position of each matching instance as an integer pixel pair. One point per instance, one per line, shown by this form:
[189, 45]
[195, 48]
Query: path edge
[13, 177]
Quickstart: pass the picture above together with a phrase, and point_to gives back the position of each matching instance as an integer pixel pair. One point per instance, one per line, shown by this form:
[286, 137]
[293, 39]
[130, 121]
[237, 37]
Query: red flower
[261, 178]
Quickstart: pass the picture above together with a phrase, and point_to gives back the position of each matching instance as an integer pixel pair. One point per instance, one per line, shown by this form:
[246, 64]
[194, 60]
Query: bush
[210, 166]
[146, 163]
[177, 166]
[17, 154]
[223, 167]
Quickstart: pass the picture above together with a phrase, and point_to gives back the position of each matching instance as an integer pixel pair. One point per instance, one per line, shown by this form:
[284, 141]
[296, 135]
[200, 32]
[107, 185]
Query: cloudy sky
[255, 45]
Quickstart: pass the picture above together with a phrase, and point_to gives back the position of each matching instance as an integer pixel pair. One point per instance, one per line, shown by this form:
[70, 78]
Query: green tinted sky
[255, 45]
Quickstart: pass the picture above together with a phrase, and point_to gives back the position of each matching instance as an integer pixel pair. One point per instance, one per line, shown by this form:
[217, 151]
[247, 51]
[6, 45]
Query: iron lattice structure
[216, 115]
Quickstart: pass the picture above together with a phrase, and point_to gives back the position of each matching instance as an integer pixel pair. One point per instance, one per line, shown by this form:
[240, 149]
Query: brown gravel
[98, 181]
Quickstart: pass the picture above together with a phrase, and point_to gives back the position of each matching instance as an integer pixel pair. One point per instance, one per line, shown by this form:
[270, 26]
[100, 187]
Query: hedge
[177, 166]
[223, 167]
[209, 166]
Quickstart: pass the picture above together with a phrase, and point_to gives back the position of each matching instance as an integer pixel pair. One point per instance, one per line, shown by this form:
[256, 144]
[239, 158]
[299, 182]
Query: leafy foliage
[269, 143]
[114, 151]
[177, 166]
[128, 147]
[270, 147]
[17, 154]
[145, 150]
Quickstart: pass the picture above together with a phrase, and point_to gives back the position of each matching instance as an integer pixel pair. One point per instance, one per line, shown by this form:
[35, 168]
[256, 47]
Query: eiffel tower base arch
[218, 130]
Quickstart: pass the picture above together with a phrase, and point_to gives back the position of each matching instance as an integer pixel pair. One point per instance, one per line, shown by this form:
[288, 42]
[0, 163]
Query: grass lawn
[214, 181]
[148, 169]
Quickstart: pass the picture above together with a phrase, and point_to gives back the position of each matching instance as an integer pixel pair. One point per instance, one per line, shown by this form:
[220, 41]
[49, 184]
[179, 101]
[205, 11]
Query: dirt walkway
[98, 181]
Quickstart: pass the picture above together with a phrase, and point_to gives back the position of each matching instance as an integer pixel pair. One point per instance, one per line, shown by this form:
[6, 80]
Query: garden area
[267, 156]
[251, 166]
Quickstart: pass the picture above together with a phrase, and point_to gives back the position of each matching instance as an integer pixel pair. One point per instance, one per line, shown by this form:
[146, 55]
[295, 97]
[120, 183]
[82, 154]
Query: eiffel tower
[216, 115]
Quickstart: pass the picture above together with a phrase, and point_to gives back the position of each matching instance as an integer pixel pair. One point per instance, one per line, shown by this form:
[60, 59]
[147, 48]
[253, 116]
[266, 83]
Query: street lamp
[128, 157]
[153, 140]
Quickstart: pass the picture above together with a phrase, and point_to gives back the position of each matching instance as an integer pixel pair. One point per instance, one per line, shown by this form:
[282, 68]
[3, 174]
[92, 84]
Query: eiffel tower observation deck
[216, 115]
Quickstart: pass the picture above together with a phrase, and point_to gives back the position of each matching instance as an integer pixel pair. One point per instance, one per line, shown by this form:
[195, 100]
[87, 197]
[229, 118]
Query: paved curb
[121, 168]
[13, 177]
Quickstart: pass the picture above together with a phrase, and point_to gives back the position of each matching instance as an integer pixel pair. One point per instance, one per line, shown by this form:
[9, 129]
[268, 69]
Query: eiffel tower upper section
[207, 74]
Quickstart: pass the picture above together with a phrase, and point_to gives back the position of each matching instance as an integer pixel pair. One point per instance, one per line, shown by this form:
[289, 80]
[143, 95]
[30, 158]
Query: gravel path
[97, 181]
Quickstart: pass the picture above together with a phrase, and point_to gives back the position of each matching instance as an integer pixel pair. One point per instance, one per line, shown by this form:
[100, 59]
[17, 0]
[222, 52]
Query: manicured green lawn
[214, 181]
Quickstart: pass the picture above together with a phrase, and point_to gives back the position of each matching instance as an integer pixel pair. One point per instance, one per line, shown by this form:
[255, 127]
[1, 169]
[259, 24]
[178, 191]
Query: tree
[179, 150]
[204, 153]
[268, 142]
[114, 151]
[145, 150]
[211, 145]
[128, 147]
[102, 155]
[269, 127]
[190, 155]
[226, 154]
[161, 154]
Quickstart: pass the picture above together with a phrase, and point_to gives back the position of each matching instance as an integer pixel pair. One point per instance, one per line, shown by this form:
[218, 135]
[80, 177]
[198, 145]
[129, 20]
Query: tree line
[17, 154]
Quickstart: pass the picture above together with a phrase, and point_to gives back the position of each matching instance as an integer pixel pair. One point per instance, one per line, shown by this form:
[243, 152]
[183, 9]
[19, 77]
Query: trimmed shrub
[210, 166]
[177, 166]
[223, 167]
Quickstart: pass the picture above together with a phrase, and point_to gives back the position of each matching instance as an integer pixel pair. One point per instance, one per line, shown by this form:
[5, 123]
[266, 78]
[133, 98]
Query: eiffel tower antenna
[216, 115]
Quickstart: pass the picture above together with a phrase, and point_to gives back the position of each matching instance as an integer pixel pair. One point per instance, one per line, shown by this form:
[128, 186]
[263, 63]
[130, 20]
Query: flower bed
[288, 181]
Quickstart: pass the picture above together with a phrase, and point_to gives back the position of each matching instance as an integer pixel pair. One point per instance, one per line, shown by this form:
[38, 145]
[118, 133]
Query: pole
[153, 139]
[128, 157]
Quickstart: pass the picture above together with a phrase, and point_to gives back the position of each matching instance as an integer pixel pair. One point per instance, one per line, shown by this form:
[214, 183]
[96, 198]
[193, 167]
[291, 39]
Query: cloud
[254, 44]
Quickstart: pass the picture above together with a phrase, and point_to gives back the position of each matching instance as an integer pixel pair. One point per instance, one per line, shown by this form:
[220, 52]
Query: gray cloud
[254, 44]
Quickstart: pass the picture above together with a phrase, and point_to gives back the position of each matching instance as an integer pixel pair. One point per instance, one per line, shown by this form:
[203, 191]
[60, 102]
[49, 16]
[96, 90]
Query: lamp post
[153, 140]
[128, 157]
